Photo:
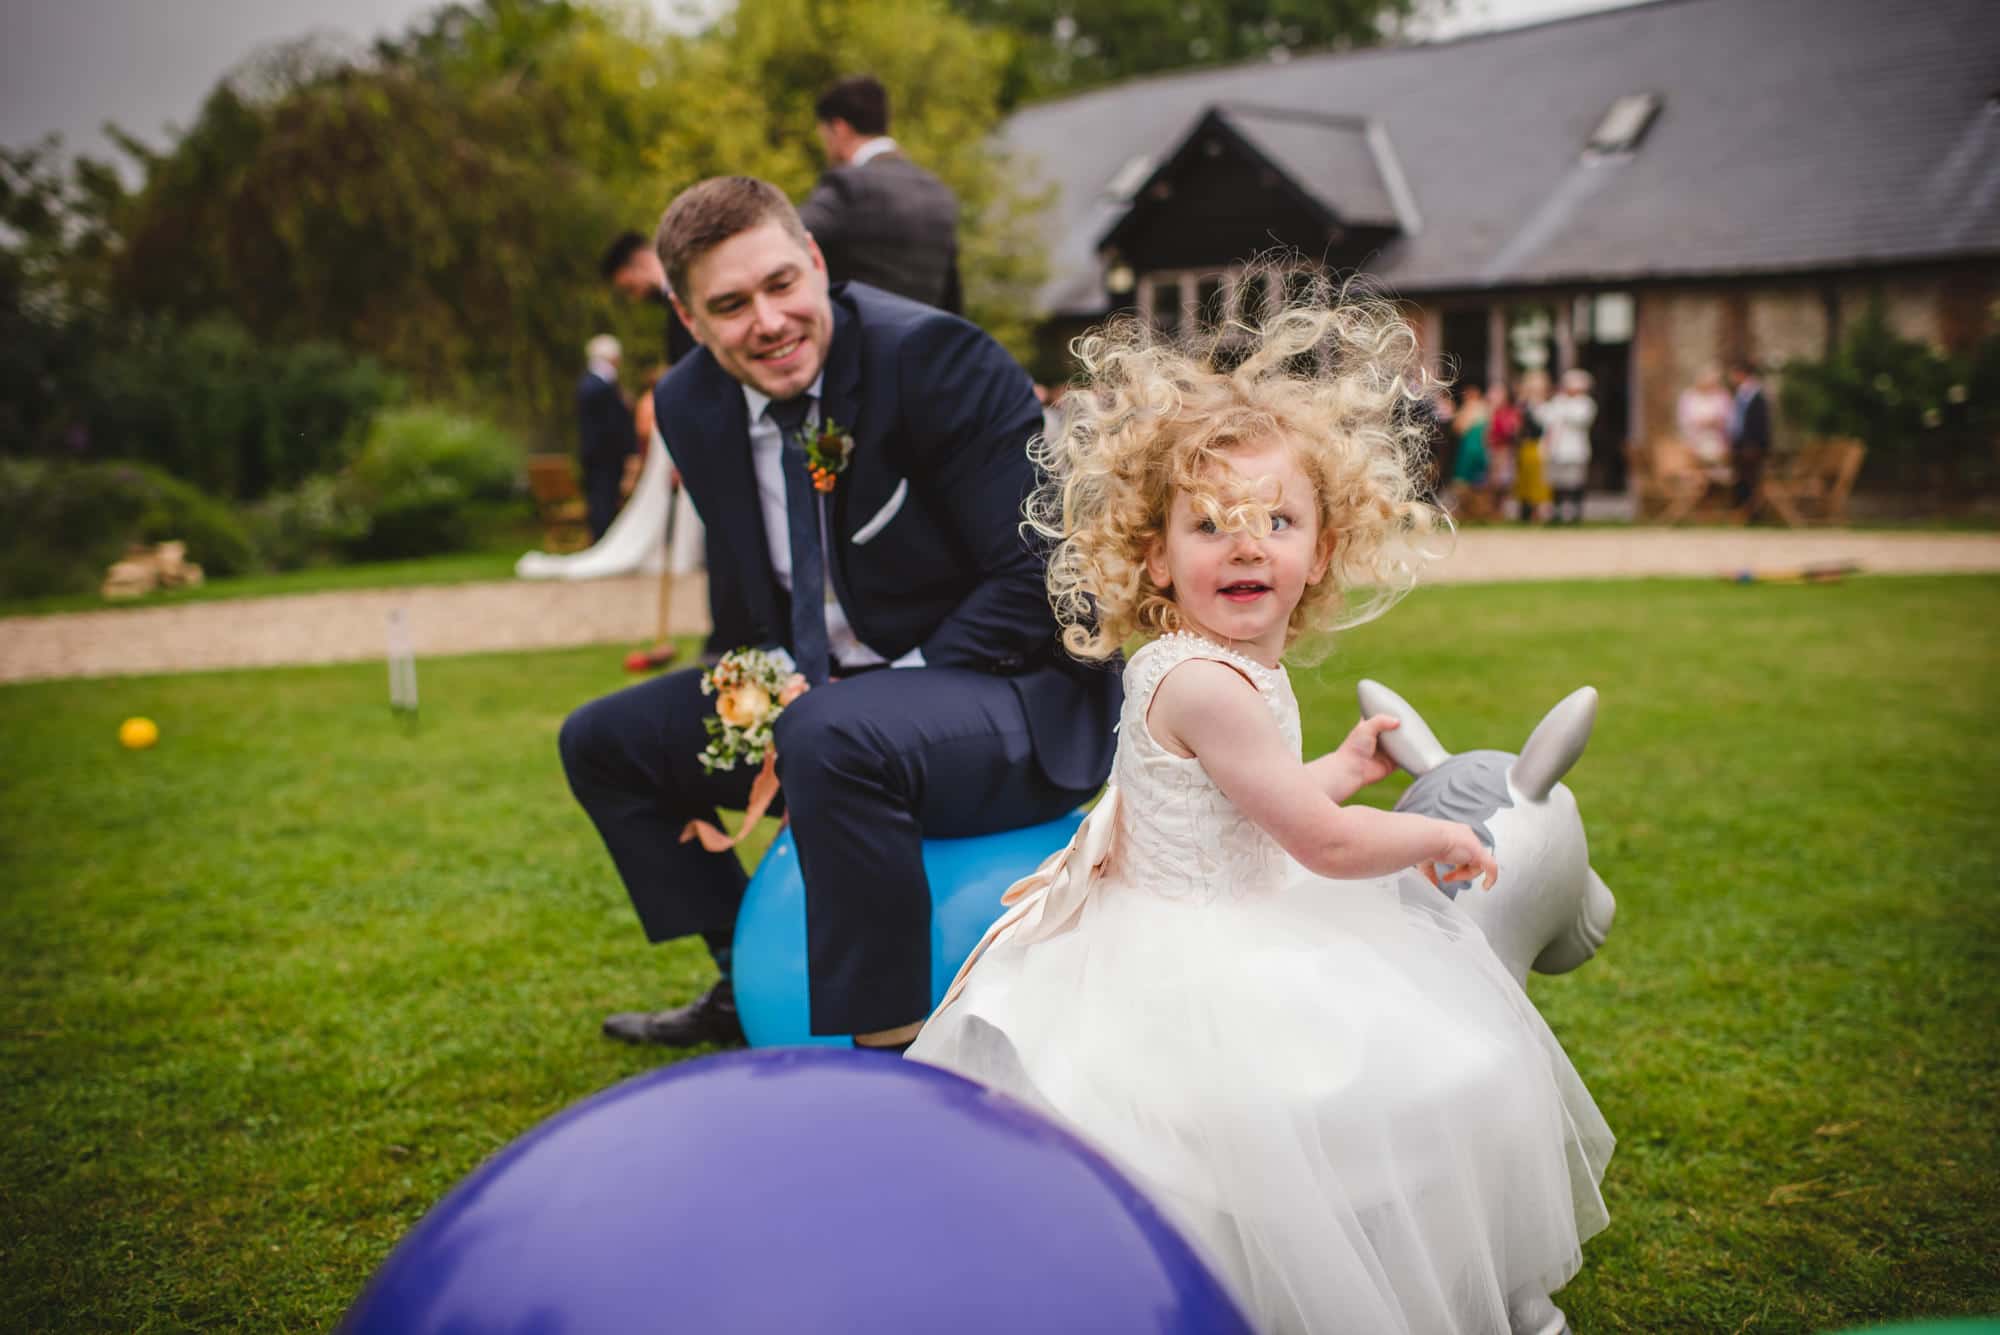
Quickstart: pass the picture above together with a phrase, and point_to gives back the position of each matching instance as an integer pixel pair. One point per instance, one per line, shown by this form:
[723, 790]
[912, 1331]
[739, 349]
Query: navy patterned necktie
[809, 647]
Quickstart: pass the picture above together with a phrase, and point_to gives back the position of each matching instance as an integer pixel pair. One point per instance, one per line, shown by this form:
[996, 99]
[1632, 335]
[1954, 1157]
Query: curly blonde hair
[1335, 375]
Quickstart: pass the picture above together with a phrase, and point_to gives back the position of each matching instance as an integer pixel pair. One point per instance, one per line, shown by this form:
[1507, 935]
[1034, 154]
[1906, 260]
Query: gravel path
[488, 617]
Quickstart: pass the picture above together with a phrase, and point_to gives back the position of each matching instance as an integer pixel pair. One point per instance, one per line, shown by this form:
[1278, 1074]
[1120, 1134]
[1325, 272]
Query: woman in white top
[1566, 420]
[1702, 415]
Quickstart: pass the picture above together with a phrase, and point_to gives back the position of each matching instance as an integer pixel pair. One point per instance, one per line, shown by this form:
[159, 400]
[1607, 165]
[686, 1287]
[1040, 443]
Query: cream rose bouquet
[751, 687]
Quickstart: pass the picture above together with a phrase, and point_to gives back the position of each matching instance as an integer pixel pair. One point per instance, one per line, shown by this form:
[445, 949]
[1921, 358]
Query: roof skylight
[1624, 125]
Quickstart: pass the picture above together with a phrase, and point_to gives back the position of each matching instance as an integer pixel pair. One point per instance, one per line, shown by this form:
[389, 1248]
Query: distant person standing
[1531, 483]
[1503, 434]
[631, 266]
[1702, 414]
[1566, 423]
[604, 430]
[878, 217]
[1468, 469]
[1749, 432]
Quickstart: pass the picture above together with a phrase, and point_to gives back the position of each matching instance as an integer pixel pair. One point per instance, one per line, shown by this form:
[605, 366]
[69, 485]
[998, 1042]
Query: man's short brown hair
[861, 101]
[706, 214]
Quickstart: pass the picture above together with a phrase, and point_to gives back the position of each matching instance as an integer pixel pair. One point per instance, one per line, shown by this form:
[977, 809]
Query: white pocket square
[883, 515]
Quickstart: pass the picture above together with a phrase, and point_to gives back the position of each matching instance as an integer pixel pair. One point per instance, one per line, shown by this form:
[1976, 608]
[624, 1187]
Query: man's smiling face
[758, 303]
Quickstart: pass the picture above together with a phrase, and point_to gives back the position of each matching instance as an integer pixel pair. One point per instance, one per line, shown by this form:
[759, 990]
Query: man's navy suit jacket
[603, 422]
[926, 547]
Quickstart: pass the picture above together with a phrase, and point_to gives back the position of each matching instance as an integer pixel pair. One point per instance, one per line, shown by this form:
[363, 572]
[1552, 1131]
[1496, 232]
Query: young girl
[1231, 981]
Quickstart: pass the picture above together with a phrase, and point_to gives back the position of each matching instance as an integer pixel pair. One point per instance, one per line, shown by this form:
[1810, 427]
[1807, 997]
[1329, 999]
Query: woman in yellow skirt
[1531, 483]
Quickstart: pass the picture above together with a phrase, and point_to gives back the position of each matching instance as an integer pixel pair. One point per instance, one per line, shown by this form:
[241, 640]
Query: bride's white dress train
[1334, 1086]
[635, 544]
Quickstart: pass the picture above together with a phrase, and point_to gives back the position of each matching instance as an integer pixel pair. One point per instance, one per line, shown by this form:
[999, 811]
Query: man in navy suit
[1749, 432]
[605, 432]
[942, 703]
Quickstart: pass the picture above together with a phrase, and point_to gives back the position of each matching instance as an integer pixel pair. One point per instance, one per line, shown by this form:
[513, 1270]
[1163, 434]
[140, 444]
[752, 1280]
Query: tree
[743, 96]
[438, 204]
[1068, 45]
[55, 238]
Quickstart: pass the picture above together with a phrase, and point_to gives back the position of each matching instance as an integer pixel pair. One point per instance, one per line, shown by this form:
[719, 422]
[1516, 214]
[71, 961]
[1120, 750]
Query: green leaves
[1929, 414]
[742, 104]
[1070, 45]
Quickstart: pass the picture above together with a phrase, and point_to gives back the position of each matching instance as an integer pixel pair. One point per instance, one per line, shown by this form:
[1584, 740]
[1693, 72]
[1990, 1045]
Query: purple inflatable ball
[802, 1189]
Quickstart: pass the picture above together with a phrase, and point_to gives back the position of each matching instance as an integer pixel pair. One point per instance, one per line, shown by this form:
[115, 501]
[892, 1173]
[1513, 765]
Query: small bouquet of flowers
[829, 449]
[751, 687]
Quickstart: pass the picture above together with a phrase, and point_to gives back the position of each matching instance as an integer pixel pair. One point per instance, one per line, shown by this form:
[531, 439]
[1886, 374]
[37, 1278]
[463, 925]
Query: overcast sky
[68, 66]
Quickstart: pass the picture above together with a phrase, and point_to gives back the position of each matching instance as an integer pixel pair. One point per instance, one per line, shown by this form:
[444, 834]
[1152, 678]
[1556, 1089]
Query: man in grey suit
[878, 217]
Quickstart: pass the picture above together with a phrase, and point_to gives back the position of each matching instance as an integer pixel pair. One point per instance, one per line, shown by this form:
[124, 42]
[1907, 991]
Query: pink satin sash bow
[1047, 901]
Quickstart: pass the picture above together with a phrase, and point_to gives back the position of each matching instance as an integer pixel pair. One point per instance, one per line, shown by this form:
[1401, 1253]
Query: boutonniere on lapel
[829, 449]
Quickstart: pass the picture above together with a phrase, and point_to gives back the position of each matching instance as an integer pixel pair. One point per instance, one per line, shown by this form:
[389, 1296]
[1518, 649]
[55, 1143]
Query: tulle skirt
[1335, 1089]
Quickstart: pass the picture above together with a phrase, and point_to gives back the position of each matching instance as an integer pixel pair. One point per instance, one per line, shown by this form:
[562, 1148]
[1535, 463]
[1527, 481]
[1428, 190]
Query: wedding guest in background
[642, 428]
[1468, 472]
[878, 217]
[632, 266]
[1503, 435]
[634, 271]
[1531, 484]
[1749, 432]
[1566, 422]
[1702, 417]
[604, 431]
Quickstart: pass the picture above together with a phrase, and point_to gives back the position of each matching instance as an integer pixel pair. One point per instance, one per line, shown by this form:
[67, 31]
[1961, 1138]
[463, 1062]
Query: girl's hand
[1362, 752]
[1463, 857]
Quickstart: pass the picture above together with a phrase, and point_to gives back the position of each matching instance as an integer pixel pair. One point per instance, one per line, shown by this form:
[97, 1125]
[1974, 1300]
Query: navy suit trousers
[869, 766]
[601, 476]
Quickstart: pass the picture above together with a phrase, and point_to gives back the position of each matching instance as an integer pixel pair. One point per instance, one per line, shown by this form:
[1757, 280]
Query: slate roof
[1792, 135]
[1329, 157]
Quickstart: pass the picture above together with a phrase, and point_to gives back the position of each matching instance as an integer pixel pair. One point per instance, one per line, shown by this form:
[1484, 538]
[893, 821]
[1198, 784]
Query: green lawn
[273, 987]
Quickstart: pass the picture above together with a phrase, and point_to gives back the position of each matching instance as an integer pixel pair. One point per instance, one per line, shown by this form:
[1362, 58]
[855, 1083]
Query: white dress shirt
[871, 150]
[767, 461]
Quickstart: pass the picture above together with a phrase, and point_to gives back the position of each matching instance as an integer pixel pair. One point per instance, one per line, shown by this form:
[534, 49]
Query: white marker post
[402, 667]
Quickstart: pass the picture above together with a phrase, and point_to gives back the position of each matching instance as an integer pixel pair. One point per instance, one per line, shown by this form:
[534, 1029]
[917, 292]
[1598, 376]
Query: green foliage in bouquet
[752, 688]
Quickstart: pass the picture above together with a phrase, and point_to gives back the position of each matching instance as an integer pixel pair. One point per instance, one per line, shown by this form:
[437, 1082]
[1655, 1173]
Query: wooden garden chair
[1672, 482]
[558, 503]
[1812, 485]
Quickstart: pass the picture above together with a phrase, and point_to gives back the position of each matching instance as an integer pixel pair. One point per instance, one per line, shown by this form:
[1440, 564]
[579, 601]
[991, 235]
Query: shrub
[425, 476]
[311, 524]
[239, 418]
[1927, 417]
[63, 524]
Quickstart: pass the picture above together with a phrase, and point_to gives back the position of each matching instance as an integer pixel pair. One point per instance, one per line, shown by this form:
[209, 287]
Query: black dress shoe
[709, 1018]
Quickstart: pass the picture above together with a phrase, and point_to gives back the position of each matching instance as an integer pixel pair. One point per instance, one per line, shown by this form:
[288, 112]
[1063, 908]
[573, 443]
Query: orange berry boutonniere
[829, 449]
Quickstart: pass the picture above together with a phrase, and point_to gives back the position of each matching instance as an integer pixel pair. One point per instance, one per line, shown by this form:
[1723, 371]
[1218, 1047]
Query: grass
[274, 986]
[492, 558]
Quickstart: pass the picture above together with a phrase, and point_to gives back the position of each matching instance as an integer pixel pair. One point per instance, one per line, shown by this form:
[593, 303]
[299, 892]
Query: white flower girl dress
[1333, 1086]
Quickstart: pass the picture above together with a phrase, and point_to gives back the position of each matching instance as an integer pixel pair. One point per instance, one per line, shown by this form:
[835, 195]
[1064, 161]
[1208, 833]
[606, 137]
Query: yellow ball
[136, 734]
